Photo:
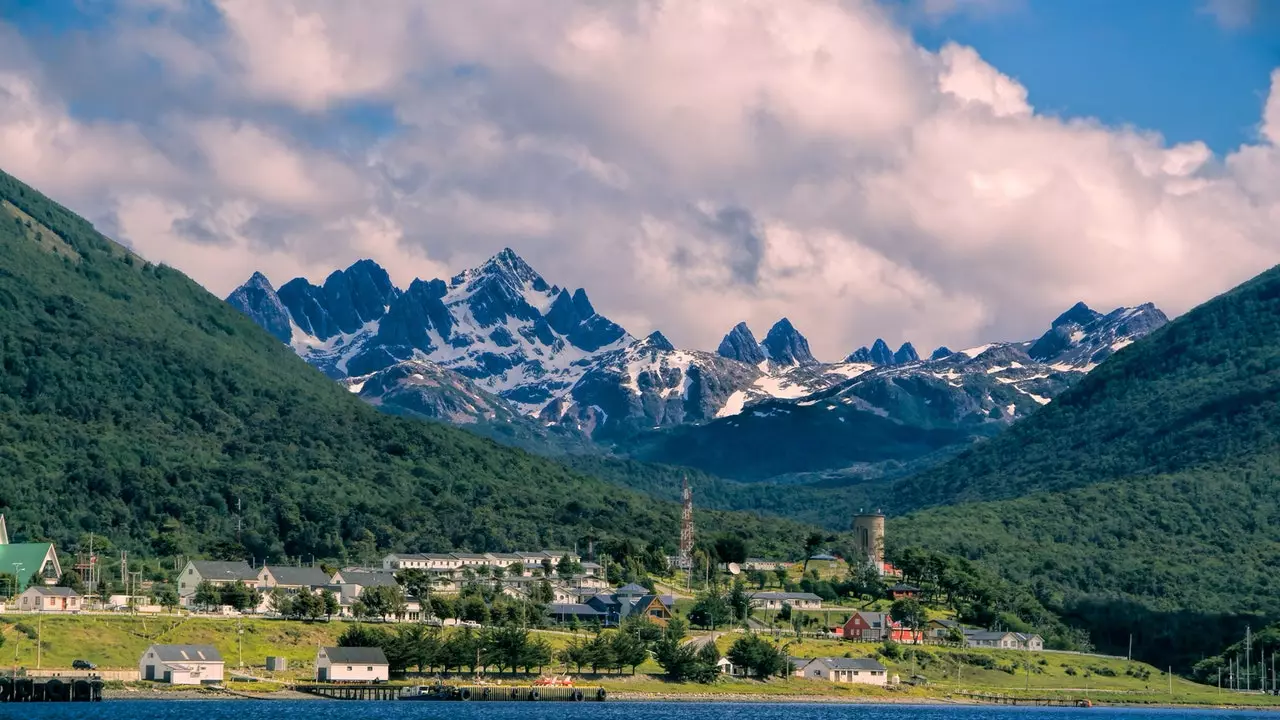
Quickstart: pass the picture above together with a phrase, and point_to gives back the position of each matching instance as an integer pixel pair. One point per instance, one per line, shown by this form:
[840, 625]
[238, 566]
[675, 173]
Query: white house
[1006, 640]
[47, 598]
[182, 664]
[863, 671]
[293, 578]
[726, 667]
[216, 572]
[775, 600]
[351, 664]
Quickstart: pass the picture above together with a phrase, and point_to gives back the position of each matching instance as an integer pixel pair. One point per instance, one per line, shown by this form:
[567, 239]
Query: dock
[88, 689]
[455, 693]
[990, 699]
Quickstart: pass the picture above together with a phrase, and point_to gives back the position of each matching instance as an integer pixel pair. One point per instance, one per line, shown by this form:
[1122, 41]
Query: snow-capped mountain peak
[786, 347]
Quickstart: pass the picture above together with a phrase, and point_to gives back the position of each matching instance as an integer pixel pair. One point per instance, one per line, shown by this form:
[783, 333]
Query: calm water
[320, 710]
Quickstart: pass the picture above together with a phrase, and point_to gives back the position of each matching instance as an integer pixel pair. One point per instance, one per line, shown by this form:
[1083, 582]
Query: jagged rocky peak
[941, 352]
[906, 354]
[358, 295]
[740, 344]
[1080, 314]
[258, 300]
[881, 355]
[506, 266]
[784, 345]
[655, 341]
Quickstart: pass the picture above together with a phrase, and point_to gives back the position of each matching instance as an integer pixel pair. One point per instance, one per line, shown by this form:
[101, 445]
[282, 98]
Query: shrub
[27, 630]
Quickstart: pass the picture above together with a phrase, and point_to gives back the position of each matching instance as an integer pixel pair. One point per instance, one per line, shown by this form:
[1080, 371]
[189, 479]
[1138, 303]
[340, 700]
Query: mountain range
[498, 345]
[137, 406]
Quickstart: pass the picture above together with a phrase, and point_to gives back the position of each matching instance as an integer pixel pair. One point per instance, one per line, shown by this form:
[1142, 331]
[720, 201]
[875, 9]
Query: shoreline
[208, 694]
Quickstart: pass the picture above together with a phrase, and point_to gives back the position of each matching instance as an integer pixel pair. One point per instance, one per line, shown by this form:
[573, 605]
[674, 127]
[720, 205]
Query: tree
[600, 653]
[739, 602]
[629, 650]
[474, 610]
[516, 569]
[780, 574]
[909, 612]
[567, 568]
[207, 595]
[237, 595]
[758, 657]
[730, 549]
[417, 646]
[537, 654]
[71, 580]
[710, 611]
[166, 596]
[811, 544]
[280, 602]
[416, 582]
[330, 602]
[443, 607]
[574, 654]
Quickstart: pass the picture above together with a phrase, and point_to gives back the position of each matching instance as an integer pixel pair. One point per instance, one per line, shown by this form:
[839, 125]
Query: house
[405, 561]
[352, 664]
[293, 578]
[940, 631]
[864, 671]
[1034, 643]
[632, 600]
[726, 667]
[215, 572]
[764, 565]
[27, 560]
[592, 570]
[902, 591]
[182, 664]
[46, 598]
[775, 600]
[566, 612]
[867, 627]
[993, 639]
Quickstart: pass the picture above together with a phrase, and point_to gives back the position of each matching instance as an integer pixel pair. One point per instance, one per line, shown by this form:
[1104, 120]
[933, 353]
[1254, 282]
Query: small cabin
[182, 664]
[352, 664]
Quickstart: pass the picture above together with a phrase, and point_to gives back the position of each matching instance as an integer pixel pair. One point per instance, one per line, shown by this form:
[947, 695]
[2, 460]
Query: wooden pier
[352, 692]
[456, 693]
[88, 689]
[1032, 701]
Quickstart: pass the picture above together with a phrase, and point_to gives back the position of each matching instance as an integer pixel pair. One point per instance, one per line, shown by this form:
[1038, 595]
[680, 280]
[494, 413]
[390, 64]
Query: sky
[946, 172]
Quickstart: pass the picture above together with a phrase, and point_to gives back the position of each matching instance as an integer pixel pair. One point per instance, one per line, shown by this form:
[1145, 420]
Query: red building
[867, 627]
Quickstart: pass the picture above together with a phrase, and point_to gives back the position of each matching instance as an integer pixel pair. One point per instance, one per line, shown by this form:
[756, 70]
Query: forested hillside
[135, 405]
[1146, 496]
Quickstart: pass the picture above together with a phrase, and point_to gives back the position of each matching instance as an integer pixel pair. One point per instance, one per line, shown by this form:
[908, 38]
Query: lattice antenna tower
[686, 526]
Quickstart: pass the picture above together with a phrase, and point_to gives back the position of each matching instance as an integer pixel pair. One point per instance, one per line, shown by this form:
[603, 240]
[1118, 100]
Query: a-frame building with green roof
[27, 560]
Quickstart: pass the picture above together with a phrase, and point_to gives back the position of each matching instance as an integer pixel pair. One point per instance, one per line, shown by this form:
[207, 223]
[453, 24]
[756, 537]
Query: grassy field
[118, 642]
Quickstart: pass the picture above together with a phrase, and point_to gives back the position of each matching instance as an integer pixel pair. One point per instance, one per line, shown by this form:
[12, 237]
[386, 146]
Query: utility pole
[1130, 647]
[39, 637]
[1248, 659]
[240, 642]
[238, 520]
[1170, 681]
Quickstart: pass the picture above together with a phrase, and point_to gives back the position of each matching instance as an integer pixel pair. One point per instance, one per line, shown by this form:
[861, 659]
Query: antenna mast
[686, 526]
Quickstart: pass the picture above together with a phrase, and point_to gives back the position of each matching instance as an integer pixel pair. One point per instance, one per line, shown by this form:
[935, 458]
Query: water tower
[868, 533]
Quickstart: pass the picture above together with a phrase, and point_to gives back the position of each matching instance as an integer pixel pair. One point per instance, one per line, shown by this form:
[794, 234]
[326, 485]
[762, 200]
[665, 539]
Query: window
[348, 667]
[370, 668]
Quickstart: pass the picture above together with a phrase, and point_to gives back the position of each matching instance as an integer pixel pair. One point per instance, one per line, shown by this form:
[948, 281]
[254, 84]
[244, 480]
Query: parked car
[83, 665]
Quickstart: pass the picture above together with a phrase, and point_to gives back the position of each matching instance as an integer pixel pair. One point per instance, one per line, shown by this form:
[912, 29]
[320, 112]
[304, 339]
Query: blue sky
[1167, 65]
[921, 175]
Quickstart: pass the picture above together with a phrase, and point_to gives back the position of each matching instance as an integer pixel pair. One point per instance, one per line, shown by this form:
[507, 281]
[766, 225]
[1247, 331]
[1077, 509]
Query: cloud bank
[691, 163]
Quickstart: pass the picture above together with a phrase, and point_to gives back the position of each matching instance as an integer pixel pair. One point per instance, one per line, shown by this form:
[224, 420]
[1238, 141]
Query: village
[554, 589]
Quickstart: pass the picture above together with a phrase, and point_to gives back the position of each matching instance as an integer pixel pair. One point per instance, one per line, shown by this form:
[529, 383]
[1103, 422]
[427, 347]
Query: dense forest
[133, 404]
[1145, 498]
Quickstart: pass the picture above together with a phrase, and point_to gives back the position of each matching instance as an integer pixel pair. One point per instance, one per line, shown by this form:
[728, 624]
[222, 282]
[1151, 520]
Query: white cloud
[689, 165]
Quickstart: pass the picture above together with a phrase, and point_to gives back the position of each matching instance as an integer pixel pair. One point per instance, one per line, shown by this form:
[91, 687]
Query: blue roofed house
[631, 600]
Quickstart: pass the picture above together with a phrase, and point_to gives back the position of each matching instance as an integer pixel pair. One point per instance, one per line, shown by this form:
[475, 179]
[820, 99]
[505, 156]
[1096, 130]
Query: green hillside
[133, 404]
[1143, 499]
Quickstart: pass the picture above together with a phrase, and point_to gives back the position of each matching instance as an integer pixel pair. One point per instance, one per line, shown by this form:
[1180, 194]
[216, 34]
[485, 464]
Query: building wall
[819, 671]
[352, 673]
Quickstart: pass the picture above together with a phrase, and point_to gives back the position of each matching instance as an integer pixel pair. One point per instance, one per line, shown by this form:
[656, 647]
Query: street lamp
[17, 568]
